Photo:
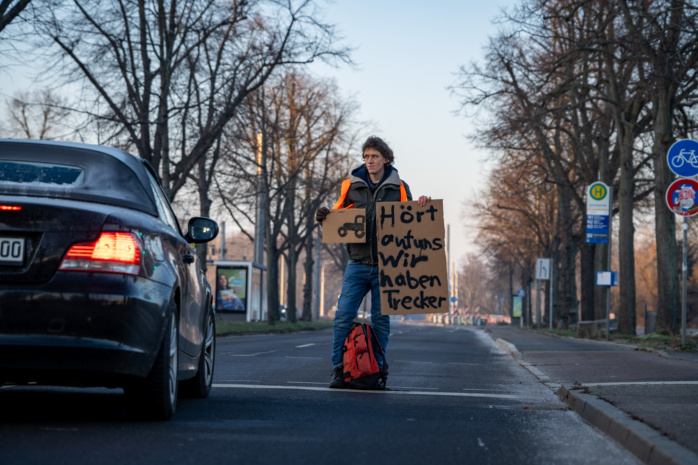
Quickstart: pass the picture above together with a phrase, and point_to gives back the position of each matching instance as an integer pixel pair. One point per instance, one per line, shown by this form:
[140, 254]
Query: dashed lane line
[252, 355]
[392, 391]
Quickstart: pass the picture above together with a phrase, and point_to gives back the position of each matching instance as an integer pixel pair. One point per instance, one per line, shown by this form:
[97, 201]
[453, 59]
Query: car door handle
[188, 258]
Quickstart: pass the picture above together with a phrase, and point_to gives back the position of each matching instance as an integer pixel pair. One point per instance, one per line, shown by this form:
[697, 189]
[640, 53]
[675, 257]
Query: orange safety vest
[346, 184]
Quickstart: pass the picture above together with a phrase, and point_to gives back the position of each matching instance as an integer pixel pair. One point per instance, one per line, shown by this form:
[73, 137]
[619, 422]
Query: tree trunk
[668, 310]
[272, 256]
[626, 250]
[292, 263]
[205, 203]
[587, 283]
[600, 264]
[309, 266]
[511, 290]
[566, 276]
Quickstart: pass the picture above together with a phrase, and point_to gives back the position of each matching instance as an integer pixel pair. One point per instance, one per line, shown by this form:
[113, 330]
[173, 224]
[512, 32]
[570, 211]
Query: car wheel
[155, 397]
[200, 385]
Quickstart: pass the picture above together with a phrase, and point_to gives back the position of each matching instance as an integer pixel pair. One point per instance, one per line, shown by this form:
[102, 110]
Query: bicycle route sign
[682, 158]
[681, 197]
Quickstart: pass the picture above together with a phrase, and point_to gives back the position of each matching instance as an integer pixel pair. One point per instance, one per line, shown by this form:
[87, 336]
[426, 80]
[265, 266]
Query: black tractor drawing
[358, 226]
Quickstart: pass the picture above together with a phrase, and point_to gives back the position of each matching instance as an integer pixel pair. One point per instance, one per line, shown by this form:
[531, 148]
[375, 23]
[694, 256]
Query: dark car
[98, 285]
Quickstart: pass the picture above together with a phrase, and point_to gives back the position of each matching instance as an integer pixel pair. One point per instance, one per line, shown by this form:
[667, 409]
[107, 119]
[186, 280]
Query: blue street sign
[453, 299]
[521, 292]
[682, 158]
[597, 229]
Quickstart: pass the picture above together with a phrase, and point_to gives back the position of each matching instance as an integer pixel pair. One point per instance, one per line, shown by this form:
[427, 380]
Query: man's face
[375, 161]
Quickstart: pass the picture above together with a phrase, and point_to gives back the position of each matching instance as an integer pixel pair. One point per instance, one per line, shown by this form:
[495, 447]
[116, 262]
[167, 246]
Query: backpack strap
[346, 184]
[374, 338]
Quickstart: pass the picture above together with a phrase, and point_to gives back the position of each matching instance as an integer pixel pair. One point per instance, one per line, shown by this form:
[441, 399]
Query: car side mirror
[201, 229]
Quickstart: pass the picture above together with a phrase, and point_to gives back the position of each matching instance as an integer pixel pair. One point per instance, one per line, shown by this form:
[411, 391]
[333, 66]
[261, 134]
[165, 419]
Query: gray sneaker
[337, 381]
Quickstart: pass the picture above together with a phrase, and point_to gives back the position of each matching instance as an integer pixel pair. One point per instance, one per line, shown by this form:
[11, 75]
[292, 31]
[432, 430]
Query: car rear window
[41, 173]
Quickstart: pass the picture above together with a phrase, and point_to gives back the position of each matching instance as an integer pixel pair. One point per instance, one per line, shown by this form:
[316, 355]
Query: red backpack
[361, 370]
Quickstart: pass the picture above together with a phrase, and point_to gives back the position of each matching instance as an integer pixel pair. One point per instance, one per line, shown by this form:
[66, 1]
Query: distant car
[283, 312]
[98, 285]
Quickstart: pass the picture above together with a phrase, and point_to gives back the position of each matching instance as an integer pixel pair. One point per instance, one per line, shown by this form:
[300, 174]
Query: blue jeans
[358, 280]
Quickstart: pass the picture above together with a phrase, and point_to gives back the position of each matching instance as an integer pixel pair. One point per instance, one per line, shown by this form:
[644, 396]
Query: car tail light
[10, 208]
[112, 252]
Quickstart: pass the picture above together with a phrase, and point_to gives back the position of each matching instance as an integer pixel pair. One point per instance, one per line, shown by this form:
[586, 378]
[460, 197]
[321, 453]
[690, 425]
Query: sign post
[680, 198]
[543, 273]
[683, 161]
[599, 229]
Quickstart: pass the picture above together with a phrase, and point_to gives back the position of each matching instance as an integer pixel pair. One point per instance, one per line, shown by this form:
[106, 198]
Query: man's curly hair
[379, 144]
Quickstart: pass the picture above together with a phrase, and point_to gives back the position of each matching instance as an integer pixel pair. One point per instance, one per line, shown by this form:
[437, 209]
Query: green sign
[598, 191]
[516, 304]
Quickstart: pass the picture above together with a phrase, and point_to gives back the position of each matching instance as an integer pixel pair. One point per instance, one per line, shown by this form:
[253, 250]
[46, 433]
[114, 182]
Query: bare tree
[663, 32]
[36, 115]
[306, 129]
[166, 78]
[578, 85]
[9, 10]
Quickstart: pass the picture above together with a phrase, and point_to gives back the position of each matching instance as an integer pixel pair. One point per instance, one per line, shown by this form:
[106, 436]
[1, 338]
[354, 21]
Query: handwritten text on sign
[412, 258]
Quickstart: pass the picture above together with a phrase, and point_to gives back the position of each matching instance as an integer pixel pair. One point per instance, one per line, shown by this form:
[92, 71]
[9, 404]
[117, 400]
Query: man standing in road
[374, 181]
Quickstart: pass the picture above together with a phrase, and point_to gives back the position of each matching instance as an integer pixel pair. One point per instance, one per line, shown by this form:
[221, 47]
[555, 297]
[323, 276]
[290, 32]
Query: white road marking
[305, 345]
[241, 380]
[418, 388]
[391, 392]
[657, 383]
[252, 355]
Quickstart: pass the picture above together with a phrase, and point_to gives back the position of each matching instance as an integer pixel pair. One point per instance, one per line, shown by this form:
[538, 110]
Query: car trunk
[35, 233]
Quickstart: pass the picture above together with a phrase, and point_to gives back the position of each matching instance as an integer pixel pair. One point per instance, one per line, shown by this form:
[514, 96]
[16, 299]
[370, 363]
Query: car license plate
[11, 250]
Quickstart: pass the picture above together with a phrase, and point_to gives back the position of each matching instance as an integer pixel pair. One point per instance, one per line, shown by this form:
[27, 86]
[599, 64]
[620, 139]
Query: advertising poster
[516, 304]
[231, 289]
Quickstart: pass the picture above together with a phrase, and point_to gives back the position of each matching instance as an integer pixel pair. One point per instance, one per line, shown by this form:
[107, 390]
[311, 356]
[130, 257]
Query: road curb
[647, 444]
[508, 347]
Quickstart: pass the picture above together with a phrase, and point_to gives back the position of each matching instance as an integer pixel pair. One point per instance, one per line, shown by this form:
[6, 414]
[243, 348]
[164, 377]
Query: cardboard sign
[412, 258]
[344, 226]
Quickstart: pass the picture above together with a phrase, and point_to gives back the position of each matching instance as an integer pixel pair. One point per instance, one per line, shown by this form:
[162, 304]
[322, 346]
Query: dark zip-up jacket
[360, 196]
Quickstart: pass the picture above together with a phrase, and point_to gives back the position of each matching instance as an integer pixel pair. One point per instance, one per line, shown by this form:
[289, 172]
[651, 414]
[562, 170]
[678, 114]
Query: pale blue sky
[408, 53]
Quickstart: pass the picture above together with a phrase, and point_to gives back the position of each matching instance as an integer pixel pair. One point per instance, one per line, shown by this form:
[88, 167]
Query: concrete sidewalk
[646, 401]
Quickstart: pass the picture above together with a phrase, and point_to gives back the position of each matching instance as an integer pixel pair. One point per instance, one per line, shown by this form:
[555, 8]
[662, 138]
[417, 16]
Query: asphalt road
[454, 398]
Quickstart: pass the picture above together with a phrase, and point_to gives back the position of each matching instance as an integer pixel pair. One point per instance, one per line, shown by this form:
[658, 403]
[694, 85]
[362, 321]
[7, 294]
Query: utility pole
[448, 267]
[261, 206]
